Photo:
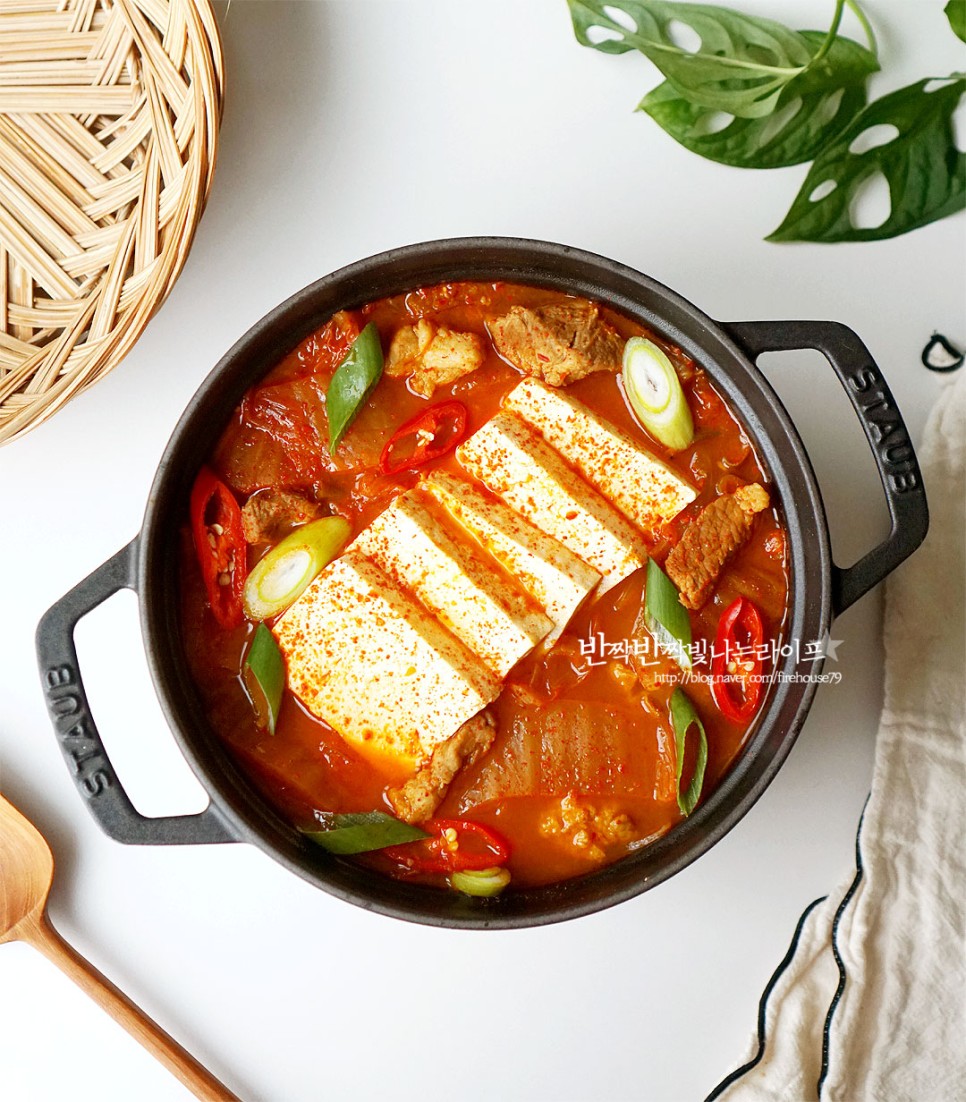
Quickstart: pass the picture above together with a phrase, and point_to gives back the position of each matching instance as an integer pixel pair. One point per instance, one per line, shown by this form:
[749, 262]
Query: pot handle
[77, 733]
[884, 429]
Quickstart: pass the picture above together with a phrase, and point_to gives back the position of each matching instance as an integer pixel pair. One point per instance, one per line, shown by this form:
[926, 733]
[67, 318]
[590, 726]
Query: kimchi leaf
[810, 110]
[916, 154]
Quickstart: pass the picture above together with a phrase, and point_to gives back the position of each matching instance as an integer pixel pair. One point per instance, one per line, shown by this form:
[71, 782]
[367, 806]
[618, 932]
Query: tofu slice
[553, 575]
[363, 656]
[483, 607]
[645, 489]
[510, 459]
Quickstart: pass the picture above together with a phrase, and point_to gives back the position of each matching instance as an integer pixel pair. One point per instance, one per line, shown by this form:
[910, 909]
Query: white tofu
[363, 656]
[483, 607]
[553, 575]
[510, 459]
[645, 489]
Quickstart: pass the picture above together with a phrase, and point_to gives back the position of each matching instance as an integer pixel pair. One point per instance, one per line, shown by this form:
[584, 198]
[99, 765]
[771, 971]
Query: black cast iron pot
[819, 589]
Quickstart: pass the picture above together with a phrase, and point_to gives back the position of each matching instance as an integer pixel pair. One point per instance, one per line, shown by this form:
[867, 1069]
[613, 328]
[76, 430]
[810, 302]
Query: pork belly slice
[417, 799]
[710, 540]
[433, 356]
[645, 489]
[481, 605]
[560, 343]
[554, 576]
[362, 655]
[269, 514]
[510, 459]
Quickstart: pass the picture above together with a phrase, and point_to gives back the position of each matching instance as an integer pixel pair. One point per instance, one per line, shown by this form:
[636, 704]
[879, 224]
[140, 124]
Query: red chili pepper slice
[216, 528]
[430, 434]
[736, 663]
[455, 845]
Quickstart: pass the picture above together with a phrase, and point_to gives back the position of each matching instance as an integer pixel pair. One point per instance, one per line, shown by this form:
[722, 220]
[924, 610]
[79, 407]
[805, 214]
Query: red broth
[584, 743]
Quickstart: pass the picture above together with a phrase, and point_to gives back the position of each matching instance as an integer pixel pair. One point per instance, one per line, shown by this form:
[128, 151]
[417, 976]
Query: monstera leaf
[917, 156]
[810, 110]
[741, 66]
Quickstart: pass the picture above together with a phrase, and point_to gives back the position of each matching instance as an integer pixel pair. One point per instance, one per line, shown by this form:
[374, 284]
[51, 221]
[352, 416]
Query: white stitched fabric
[877, 973]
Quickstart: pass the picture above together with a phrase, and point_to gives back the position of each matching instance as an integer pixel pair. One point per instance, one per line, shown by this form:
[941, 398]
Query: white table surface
[353, 126]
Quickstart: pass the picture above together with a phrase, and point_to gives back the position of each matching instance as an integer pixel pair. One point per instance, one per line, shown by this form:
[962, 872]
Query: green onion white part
[654, 392]
[280, 578]
[481, 882]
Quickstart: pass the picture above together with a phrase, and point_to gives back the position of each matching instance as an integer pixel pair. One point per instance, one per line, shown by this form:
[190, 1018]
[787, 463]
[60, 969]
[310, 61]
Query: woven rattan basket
[109, 115]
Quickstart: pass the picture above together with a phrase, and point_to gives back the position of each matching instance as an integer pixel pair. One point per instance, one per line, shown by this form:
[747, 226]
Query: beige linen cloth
[869, 1005]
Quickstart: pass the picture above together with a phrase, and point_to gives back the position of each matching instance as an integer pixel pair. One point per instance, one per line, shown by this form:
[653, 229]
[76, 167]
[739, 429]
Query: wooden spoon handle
[42, 935]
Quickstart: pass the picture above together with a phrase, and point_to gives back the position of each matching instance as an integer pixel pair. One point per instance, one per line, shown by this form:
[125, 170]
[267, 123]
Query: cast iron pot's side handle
[75, 728]
[884, 429]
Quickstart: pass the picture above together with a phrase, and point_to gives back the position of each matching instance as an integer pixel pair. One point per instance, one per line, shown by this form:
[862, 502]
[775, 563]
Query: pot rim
[750, 397]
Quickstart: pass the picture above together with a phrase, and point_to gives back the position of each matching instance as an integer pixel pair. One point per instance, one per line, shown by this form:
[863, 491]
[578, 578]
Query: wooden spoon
[26, 873]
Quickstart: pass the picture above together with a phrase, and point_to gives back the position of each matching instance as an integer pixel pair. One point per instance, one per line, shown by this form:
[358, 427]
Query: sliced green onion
[654, 391]
[279, 578]
[665, 617]
[363, 832]
[683, 717]
[268, 668]
[481, 882]
[353, 382]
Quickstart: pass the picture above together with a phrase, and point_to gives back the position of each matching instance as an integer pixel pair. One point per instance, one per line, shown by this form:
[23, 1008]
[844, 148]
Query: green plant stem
[866, 25]
[832, 32]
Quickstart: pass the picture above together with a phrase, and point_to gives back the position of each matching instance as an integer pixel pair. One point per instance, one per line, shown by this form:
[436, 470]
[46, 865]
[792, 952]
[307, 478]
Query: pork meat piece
[559, 344]
[710, 540]
[269, 514]
[417, 799]
[433, 356]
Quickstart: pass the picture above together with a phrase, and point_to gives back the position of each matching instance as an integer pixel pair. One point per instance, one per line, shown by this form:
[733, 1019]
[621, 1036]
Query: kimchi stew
[481, 586]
